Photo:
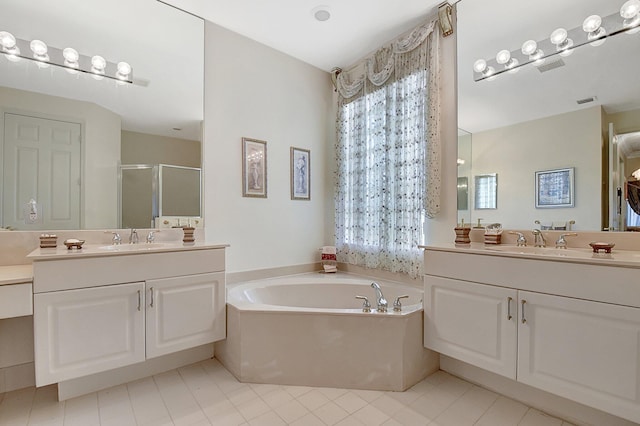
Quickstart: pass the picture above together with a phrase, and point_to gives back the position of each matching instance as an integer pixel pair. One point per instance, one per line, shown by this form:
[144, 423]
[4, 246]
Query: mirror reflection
[65, 134]
[564, 114]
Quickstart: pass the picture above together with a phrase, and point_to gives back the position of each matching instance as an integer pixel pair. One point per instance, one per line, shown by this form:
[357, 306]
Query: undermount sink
[132, 247]
[542, 251]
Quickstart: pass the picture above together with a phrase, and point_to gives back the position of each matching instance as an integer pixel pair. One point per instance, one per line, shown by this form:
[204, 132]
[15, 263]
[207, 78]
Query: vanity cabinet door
[585, 351]
[472, 322]
[184, 312]
[81, 332]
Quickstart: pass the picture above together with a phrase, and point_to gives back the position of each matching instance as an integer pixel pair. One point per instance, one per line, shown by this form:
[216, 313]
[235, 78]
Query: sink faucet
[539, 238]
[133, 237]
[382, 302]
[562, 243]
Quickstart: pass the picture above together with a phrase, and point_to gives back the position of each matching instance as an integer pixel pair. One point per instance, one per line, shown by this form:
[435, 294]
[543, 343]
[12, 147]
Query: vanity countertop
[101, 250]
[16, 274]
[623, 258]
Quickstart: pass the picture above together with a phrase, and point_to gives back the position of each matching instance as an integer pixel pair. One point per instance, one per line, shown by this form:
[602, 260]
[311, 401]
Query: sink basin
[132, 247]
[542, 251]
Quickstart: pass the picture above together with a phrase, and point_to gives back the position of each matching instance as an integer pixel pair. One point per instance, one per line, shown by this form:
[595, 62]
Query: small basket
[48, 241]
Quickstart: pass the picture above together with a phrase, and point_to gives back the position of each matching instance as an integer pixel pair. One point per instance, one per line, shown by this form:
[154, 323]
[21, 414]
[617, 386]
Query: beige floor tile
[350, 402]
[331, 413]
[370, 415]
[534, 417]
[504, 412]
[291, 411]
[313, 399]
[308, 420]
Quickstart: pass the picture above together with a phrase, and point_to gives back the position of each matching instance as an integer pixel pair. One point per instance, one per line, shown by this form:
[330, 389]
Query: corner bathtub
[309, 330]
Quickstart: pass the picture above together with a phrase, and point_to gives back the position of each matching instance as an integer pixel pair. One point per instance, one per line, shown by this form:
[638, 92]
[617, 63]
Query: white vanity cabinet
[170, 327]
[80, 332]
[98, 313]
[539, 323]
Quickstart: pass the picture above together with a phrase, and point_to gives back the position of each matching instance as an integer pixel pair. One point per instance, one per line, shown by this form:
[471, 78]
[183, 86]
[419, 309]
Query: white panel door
[184, 312]
[41, 160]
[585, 351]
[81, 332]
[474, 323]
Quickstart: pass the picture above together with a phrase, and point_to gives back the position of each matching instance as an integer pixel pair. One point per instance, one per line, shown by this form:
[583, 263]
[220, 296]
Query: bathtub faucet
[382, 302]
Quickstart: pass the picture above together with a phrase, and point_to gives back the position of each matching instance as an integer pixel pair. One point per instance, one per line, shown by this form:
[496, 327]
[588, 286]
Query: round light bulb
[503, 57]
[480, 65]
[98, 63]
[511, 66]
[630, 9]
[566, 48]
[7, 40]
[592, 23]
[71, 55]
[124, 69]
[12, 54]
[529, 47]
[558, 36]
[38, 47]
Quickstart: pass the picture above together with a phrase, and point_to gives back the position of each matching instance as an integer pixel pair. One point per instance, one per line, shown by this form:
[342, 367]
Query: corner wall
[254, 91]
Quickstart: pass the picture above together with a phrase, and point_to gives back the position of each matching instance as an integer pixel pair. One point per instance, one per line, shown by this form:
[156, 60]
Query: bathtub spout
[382, 302]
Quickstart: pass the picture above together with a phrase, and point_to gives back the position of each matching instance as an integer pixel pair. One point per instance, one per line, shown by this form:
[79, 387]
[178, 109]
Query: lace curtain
[388, 153]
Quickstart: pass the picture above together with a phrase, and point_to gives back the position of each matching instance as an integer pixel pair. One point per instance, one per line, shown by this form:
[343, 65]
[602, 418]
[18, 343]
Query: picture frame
[254, 168]
[300, 172]
[555, 188]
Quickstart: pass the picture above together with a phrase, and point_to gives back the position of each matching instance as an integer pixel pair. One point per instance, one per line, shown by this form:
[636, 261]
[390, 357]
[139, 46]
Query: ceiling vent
[551, 65]
[586, 100]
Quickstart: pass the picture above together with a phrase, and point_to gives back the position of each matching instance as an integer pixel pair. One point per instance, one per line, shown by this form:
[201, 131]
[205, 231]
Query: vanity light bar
[594, 31]
[15, 49]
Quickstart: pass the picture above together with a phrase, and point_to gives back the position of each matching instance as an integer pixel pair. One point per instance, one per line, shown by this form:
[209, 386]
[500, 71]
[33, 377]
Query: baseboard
[106, 379]
[554, 405]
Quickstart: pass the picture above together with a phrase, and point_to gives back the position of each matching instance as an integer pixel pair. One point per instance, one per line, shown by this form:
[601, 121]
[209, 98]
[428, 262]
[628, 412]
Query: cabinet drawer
[16, 300]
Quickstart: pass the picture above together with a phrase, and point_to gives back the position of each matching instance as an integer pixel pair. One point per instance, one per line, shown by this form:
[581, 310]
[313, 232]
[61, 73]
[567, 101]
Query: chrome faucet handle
[151, 237]
[116, 240]
[382, 302]
[521, 241]
[366, 306]
[562, 243]
[397, 305]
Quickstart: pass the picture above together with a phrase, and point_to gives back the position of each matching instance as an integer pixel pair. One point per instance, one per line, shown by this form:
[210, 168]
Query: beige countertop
[623, 258]
[16, 274]
[99, 250]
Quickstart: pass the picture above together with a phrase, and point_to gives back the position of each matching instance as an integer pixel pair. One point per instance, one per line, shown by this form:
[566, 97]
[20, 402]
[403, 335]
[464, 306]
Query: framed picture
[254, 168]
[300, 174]
[554, 188]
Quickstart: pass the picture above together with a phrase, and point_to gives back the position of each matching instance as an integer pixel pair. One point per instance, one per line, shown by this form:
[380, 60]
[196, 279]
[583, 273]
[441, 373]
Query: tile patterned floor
[207, 394]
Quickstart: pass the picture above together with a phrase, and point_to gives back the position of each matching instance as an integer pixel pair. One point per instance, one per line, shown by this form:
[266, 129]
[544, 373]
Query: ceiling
[358, 27]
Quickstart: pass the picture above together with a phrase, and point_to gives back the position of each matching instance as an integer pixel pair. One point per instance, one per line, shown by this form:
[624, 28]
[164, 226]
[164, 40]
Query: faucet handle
[562, 243]
[397, 305]
[521, 241]
[366, 306]
[116, 240]
[151, 237]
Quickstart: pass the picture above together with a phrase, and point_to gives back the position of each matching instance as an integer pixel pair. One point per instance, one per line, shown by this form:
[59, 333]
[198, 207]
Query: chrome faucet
[521, 241]
[133, 237]
[382, 302]
[151, 236]
[539, 238]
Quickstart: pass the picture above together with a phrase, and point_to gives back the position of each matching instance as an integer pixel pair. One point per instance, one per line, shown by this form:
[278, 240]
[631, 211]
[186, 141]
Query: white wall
[516, 152]
[101, 149]
[254, 91]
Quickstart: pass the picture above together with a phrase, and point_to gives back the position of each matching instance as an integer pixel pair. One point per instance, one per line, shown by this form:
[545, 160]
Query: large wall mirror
[563, 114]
[64, 136]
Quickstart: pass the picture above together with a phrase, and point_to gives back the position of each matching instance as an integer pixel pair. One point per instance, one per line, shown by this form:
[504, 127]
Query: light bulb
[124, 69]
[38, 47]
[630, 9]
[503, 57]
[529, 47]
[480, 65]
[71, 55]
[559, 36]
[7, 40]
[98, 64]
[12, 54]
[592, 24]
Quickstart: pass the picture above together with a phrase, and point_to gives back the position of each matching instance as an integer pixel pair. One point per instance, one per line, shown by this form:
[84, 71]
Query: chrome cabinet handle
[151, 304]
[524, 320]
[139, 299]
[509, 299]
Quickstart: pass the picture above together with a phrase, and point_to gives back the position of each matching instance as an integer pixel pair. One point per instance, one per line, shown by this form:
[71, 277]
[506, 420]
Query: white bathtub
[310, 330]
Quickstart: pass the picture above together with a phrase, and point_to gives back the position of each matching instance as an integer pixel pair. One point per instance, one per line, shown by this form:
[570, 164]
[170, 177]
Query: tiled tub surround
[537, 322]
[310, 330]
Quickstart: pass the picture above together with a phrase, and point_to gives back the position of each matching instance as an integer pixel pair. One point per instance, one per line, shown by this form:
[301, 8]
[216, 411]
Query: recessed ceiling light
[321, 13]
